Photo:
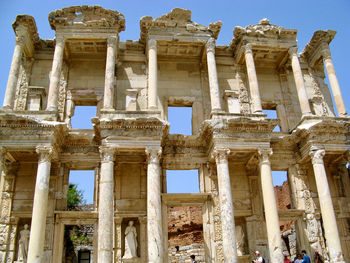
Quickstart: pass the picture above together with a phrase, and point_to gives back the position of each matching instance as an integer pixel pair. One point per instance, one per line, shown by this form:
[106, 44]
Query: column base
[153, 108]
[307, 114]
[51, 108]
[344, 115]
[108, 109]
[7, 108]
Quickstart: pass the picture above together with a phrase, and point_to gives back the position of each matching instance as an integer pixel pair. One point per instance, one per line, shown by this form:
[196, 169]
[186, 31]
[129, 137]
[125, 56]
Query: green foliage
[74, 196]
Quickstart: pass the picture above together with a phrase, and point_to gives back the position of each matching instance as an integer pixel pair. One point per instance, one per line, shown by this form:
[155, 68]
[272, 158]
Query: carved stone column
[40, 204]
[226, 206]
[326, 205]
[299, 82]
[333, 80]
[213, 76]
[110, 73]
[253, 79]
[55, 74]
[13, 75]
[154, 207]
[270, 207]
[106, 206]
[152, 74]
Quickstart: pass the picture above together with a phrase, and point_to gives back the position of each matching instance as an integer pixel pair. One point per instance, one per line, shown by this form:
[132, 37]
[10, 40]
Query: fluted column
[326, 205]
[213, 76]
[270, 207]
[333, 80]
[226, 206]
[55, 74]
[299, 82]
[110, 73]
[152, 74]
[253, 79]
[41, 195]
[106, 206]
[13, 75]
[154, 208]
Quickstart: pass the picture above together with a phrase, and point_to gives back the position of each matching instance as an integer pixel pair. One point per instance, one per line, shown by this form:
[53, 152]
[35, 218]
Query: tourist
[258, 258]
[306, 258]
[193, 257]
[317, 258]
[298, 259]
[286, 259]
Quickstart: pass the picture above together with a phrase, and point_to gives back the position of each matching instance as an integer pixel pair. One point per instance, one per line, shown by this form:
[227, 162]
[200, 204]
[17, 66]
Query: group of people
[303, 257]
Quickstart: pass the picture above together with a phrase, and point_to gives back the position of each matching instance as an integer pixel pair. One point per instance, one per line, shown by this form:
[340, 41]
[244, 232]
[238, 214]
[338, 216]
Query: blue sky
[306, 16]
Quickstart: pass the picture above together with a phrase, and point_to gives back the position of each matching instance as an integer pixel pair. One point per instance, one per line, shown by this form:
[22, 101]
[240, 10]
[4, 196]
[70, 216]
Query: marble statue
[23, 244]
[239, 240]
[130, 241]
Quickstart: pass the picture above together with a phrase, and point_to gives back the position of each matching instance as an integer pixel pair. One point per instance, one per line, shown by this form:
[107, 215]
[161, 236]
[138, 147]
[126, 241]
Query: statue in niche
[23, 244]
[130, 241]
[239, 240]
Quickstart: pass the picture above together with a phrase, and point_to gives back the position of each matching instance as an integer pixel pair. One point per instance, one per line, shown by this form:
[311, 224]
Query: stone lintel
[185, 199]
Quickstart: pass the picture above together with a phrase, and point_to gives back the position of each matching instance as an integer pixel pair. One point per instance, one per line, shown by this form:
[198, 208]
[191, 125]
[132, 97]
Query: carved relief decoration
[62, 91]
[23, 83]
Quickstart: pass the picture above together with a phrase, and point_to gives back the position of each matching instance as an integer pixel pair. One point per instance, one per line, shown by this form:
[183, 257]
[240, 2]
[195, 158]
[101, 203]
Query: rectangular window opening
[78, 243]
[82, 117]
[185, 232]
[182, 181]
[281, 187]
[81, 187]
[272, 114]
[180, 119]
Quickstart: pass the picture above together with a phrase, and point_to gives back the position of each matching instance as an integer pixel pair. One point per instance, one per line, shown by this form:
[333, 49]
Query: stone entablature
[233, 144]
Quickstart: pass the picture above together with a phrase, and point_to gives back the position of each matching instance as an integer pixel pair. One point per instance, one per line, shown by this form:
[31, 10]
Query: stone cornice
[29, 24]
[87, 16]
[180, 19]
[312, 50]
[263, 30]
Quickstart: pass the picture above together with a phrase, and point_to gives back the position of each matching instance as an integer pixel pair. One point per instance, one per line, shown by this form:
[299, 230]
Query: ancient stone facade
[174, 63]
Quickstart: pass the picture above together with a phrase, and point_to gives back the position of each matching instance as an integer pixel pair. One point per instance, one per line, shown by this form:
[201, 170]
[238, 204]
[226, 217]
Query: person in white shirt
[258, 258]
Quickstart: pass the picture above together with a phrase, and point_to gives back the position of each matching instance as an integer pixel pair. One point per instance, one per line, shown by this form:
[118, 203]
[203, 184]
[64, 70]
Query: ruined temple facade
[233, 144]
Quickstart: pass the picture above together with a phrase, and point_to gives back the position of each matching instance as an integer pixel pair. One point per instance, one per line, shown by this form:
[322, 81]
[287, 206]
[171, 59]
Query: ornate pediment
[178, 18]
[87, 16]
[263, 30]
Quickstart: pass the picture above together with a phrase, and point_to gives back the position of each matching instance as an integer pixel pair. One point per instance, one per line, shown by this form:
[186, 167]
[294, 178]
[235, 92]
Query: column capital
[152, 44]
[325, 50]
[317, 155]
[142, 219]
[264, 155]
[112, 41]
[248, 48]
[107, 153]
[293, 51]
[60, 39]
[220, 155]
[45, 153]
[210, 45]
[153, 154]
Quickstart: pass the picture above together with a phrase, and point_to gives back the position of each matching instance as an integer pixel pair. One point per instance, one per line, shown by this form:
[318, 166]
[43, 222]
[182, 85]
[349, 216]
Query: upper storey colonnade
[97, 23]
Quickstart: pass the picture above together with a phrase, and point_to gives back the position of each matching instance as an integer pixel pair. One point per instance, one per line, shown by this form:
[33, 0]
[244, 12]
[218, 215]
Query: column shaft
[154, 208]
[226, 206]
[41, 195]
[152, 74]
[270, 206]
[106, 206]
[213, 76]
[333, 80]
[326, 205]
[110, 74]
[253, 80]
[13, 75]
[299, 82]
[55, 74]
